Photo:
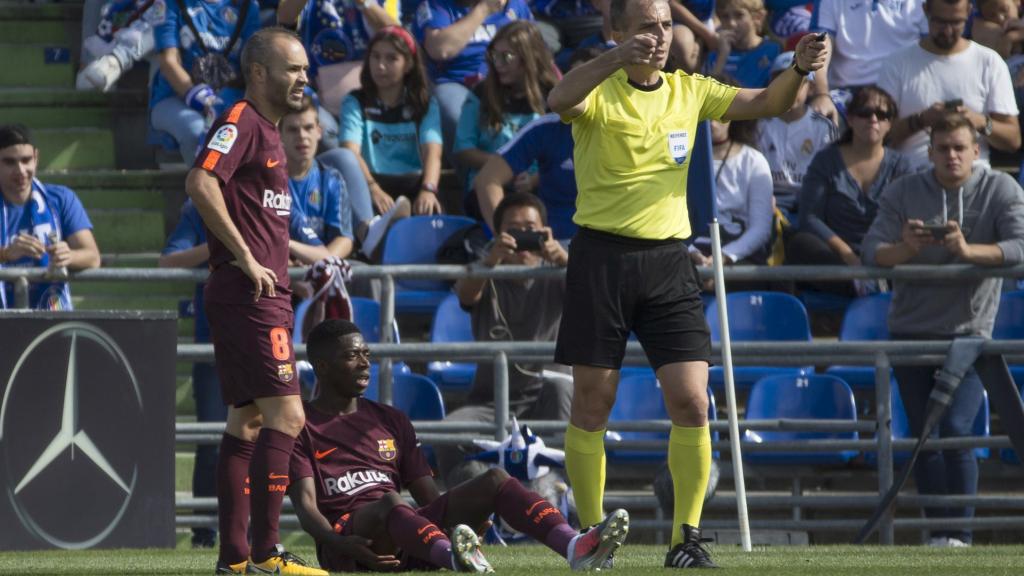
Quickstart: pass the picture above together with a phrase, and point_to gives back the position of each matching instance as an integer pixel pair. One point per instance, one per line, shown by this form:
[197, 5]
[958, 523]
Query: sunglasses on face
[876, 112]
[505, 57]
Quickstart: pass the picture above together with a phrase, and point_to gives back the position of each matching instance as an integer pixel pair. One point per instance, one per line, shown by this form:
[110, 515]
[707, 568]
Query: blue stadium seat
[817, 396]
[1010, 325]
[865, 319]
[821, 301]
[759, 316]
[416, 240]
[451, 324]
[639, 398]
[901, 427]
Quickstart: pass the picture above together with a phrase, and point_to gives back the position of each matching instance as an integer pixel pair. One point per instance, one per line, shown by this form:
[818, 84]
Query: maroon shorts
[335, 562]
[252, 346]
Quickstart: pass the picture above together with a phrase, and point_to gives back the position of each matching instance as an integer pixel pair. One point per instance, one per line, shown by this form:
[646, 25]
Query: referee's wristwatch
[796, 68]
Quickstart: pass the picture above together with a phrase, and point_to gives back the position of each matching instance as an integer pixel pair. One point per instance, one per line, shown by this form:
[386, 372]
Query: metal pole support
[387, 318]
[500, 396]
[21, 292]
[883, 410]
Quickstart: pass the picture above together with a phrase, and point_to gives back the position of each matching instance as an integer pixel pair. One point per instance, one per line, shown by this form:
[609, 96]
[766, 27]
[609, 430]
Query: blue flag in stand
[700, 185]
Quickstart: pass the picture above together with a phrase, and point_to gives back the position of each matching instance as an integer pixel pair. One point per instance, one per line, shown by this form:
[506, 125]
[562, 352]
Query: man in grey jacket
[954, 213]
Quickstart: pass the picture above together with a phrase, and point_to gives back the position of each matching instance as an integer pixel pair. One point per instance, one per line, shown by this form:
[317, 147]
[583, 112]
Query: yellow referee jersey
[632, 152]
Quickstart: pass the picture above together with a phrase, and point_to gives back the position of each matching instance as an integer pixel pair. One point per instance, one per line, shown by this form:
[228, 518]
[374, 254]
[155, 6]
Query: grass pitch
[531, 560]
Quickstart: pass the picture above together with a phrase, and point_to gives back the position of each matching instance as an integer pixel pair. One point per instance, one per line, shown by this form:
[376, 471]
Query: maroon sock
[529, 513]
[419, 537]
[268, 475]
[233, 498]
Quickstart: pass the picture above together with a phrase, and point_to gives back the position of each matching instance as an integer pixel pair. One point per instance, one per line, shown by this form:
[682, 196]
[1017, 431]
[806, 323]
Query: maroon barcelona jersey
[354, 459]
[244, 151]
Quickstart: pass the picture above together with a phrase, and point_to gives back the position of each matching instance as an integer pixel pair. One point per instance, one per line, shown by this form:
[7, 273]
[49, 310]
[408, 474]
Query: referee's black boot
[691, 553]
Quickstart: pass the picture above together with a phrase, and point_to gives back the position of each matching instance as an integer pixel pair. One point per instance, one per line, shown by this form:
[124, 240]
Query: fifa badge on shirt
[386, 448]
[224, 138]
[285, 372]
[678, 145]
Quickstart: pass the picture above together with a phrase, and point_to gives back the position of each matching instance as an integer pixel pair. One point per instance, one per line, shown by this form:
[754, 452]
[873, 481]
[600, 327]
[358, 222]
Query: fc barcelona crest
[386, 449]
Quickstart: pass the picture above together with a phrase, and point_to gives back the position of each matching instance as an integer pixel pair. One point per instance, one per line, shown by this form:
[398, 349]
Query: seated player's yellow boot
[225, 568]
[283, 562]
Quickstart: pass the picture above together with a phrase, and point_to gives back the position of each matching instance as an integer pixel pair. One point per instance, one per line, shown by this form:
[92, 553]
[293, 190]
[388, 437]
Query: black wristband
[796, 68]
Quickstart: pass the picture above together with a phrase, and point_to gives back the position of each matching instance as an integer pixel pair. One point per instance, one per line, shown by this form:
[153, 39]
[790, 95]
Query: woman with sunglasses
[840, 192]
[520, 73]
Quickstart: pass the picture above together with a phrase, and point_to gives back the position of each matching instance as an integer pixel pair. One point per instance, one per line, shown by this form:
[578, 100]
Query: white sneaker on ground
[957, 543]
[938, 542]
[101, 74]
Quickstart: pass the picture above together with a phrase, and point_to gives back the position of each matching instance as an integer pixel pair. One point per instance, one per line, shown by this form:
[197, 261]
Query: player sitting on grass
[354, 456]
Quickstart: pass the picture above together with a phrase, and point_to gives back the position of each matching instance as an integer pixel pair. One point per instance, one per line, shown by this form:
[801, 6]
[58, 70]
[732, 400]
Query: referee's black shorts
[616, 284]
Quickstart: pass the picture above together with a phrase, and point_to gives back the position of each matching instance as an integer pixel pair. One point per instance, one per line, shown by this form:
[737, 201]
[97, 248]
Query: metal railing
[880, 354]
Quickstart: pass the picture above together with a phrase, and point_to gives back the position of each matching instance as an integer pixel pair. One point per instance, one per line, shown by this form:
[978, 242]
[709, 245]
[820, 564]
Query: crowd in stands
[401, 91]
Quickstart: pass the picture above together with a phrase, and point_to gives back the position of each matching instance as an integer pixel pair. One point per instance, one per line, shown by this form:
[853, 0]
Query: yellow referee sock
[689, 461]
[584, 463]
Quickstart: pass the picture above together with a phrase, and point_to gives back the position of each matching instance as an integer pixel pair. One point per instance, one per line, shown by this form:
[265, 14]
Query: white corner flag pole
[730, 387]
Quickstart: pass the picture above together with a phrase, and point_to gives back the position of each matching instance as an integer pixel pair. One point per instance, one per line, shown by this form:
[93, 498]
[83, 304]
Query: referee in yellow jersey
[633, 127]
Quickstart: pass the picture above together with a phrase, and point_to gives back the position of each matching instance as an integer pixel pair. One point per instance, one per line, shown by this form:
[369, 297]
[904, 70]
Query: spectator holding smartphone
[979, 216]
[943, 72]
[515, 309]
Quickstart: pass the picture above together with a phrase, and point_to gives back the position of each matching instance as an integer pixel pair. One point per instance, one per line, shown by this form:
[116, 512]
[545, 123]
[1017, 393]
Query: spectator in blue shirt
[115, 36]
[317, 190]
[455, 35]
[521, 72]
[547, 143]
[601, 37]
[742, 51]
[392, 127]
[182, 99]
[41, 225]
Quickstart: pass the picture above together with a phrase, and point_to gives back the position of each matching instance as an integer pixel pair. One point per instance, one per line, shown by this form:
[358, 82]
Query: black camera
[528, 240]
[954, 103]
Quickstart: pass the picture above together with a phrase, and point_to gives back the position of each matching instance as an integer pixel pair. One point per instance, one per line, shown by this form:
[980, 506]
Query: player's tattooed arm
[303, 495]
[205, 191]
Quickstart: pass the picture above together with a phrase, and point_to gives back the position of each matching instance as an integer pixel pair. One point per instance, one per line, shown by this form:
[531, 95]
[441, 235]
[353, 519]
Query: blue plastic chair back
[416, 240]
[640, 398]
[866, 318]
[452, 324]
[417, 396]
[757, 316]
[816, 396]
[1010, 316]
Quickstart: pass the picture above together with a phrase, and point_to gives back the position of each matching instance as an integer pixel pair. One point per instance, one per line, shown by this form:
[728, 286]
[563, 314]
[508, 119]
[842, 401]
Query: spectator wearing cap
[790, 141]
[863, 35]
[41, 225]
[455, 35]
[946, 72]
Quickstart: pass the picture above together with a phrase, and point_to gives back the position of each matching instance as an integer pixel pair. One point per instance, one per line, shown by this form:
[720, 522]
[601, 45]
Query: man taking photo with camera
[515, 309]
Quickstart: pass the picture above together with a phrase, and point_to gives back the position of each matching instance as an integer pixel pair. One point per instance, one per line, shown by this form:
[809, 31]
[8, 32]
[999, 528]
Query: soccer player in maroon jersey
[353, 458]
[239, 184]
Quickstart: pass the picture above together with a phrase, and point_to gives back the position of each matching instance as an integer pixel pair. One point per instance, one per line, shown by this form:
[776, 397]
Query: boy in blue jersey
[181, 99]
[742, 51]
[41, 225]
[317, 190]
[455, 35]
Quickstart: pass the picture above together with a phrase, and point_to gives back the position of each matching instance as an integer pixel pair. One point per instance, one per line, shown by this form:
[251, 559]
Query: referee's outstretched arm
[567, 97]
[811, 54]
